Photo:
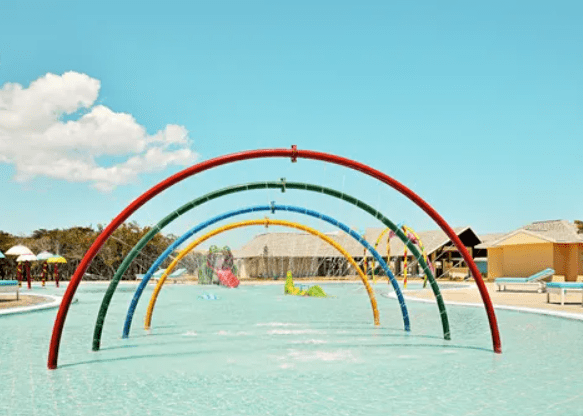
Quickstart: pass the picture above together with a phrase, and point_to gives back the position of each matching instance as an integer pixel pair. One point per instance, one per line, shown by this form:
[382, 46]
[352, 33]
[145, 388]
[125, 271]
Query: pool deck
[29, 302]
[529, 301]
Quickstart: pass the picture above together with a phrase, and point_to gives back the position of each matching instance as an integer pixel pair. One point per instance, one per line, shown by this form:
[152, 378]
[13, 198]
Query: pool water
[254, 351]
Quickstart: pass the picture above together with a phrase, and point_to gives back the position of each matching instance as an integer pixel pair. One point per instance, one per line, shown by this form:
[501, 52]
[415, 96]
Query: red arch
[292, 153]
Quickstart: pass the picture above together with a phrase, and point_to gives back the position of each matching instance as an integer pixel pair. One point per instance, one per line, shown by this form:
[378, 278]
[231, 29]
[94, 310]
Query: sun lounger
[155, 276]
[8, 286]
[535, 279]
[176, 273]
[563, 287]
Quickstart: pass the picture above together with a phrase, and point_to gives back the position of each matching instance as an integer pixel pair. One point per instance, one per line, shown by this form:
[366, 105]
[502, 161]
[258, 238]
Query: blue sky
[476, 107]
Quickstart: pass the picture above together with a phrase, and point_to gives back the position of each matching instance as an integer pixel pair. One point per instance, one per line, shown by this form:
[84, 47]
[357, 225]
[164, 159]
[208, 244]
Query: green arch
[282, 185]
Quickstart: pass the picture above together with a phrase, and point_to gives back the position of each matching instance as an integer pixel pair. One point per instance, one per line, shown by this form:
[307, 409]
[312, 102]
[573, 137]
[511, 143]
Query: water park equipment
[44, 256]
[413, 239]
[281, 185]
[272, 207]
[208, 296]
[294, 154]
[55, 261]
[266, 222]
[26, 259]
[20, 250]
[219, 264]
[290, 289]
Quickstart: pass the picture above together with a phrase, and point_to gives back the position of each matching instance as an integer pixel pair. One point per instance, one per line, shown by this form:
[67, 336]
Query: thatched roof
[555, 231]
[291, 244]
[488, 239]
[432, 240]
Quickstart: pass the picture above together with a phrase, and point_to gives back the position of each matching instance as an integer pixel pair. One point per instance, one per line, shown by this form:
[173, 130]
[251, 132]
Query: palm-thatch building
[271, 255]
[439, 249]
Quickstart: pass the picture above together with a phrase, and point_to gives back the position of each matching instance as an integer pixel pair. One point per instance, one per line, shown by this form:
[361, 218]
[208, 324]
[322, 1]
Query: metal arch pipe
[266, 222]
[255, 186]
[293, 154]
[259, 208]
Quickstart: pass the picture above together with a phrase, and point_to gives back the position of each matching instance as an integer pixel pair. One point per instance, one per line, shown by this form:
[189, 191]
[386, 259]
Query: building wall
[561, 255]
[495, 262]
[270, 267]
[519, 260]
[567, 261]
[574, 261]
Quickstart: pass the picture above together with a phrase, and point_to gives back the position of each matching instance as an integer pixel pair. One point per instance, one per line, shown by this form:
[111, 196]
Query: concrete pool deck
[29, 302]
[528, 301]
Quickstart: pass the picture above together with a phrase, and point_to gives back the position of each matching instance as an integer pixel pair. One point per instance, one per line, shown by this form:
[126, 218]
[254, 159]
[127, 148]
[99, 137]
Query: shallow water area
[255, 351]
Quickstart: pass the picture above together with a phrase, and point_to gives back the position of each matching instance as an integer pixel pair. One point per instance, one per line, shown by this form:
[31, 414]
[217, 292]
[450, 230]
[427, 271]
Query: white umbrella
[19, 250]
[26, 257]
[45, 255]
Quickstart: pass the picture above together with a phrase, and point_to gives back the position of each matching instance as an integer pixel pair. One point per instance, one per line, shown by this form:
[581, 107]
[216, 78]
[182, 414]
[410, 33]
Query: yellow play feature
[265, 222]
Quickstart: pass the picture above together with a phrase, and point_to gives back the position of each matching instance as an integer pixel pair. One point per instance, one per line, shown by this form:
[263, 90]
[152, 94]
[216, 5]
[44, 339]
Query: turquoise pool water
[255, 351]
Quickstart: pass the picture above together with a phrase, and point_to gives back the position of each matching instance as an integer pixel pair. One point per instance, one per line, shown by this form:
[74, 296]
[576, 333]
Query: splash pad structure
[267, 222]
[220, 264]
[273, 208]
[294, 154]
[280, 185]
[413, 240]
[290, 289]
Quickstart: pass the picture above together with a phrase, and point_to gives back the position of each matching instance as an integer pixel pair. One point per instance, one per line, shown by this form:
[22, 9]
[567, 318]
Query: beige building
[534, 247]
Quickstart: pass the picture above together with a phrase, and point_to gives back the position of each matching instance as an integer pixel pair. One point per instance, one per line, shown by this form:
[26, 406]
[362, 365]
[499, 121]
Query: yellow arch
[266, 222]
[406, 230]
[376, 244]
[420, 244]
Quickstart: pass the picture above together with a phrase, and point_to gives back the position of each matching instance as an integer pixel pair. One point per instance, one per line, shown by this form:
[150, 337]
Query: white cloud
[34, 137]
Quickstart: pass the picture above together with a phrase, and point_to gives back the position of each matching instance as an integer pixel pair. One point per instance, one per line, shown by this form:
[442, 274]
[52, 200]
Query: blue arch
[260, 208]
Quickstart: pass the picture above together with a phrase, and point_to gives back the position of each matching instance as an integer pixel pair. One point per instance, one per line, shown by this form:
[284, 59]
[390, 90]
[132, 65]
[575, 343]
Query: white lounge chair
[562, 288]
[155, 275]
[8, 286]
[535, 279]
[177, 273]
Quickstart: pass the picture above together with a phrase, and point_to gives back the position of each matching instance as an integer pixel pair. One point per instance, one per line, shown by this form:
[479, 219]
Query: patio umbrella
[26, 258]
[56, 260]
[18, 250]
[44, 256]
